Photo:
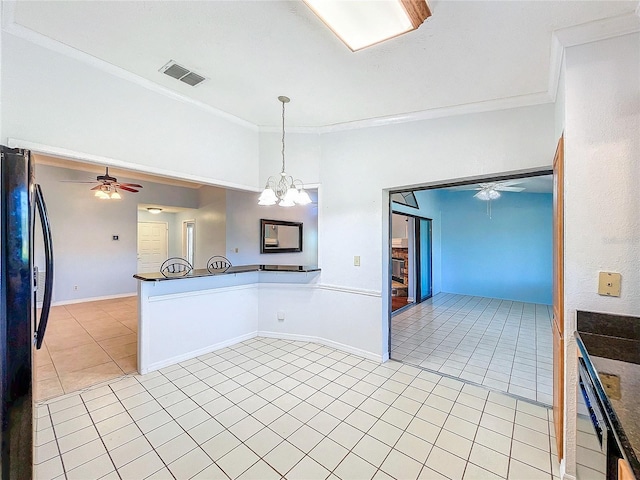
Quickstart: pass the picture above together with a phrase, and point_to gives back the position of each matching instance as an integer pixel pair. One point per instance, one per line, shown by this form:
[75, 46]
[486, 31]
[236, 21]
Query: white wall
[243, 230]
[82, 228]
[357, 166]
[602, 204]
[53, 99]
[303, 152]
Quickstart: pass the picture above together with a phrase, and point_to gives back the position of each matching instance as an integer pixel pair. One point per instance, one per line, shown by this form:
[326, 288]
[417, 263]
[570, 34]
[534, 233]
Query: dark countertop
[610, 344]
[203, 272]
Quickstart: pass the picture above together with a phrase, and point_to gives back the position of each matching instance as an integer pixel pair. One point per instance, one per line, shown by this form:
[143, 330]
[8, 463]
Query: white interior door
[152, 246]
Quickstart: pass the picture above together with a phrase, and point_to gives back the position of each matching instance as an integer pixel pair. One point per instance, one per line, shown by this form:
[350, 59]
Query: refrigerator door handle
[48, 280]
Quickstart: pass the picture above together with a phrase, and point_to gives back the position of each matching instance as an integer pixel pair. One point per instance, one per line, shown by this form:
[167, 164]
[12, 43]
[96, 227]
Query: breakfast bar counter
[203, 272]
[182, 316]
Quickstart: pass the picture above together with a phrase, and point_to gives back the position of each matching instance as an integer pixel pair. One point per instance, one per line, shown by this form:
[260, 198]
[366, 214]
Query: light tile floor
[85, 344]
[268, 408]
[504, 345]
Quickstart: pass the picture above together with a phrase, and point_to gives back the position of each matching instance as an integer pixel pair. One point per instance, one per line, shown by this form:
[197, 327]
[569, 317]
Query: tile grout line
[341, 373]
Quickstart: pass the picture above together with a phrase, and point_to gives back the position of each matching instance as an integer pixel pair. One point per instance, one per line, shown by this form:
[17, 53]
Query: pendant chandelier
[284, 189]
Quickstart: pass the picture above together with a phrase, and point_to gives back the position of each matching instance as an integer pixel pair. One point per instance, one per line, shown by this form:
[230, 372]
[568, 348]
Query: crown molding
[586, 33]
[11, 27]
[599, 29]
[464, 109]
[307, 130]
[560, 39]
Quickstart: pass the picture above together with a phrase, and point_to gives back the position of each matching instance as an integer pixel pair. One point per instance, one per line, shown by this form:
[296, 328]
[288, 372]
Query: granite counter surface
[610, 344]
[203, 272]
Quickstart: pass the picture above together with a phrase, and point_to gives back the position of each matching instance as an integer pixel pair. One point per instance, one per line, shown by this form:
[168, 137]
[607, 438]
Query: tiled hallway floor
[85, 344]
[502, 344]
[267, 408]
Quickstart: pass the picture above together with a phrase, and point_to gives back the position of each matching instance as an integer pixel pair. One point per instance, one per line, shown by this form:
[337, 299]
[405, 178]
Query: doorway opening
[411, 268]
[483, 311]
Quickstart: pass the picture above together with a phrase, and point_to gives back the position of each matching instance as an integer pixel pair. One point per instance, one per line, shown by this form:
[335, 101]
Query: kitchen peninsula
[182, 317]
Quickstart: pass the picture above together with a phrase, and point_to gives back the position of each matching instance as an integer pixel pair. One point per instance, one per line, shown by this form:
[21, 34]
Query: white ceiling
[253, 51]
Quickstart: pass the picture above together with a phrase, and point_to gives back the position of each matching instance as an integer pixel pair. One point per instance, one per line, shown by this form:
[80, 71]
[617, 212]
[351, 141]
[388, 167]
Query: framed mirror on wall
[278, 236]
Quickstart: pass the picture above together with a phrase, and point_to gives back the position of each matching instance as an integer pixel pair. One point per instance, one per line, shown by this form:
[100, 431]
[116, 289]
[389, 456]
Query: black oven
[597, 450]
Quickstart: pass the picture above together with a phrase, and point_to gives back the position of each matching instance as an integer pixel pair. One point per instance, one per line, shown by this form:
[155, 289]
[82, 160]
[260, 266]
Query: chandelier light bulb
[292, 195]
[303, 197]
[286, 203]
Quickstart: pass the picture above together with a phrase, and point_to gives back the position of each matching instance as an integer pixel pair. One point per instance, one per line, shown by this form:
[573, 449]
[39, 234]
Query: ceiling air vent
[180, 73]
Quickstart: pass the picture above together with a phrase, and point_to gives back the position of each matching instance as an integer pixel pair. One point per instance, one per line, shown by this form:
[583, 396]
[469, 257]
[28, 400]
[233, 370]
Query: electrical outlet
[609, 284]
[281, 316]
[75, 287]
[356, 261]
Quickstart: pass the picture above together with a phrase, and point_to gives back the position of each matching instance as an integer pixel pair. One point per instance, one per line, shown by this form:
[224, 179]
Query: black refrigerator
[22, 327]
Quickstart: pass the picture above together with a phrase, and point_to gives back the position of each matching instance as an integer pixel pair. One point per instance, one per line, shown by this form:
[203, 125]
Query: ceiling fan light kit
[491, 191]
[363, 24]
[284, 189]
[106, 192]
[487, 194]
[107, 188]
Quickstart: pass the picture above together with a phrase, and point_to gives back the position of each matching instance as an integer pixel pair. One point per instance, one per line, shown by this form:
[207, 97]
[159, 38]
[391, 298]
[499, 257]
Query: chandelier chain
[283, 136]
[286, 191]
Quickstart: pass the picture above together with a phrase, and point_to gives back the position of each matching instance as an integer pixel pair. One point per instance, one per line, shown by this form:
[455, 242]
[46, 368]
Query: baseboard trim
[322, 341]
[247, 336]
[90, 299]
[196, 353]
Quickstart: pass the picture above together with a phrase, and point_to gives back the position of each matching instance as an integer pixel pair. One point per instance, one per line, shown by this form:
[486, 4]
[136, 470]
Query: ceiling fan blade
[97, 187]
[134, 185]
[128, 189]
[509, 189]
[468, 187]
[509, 183]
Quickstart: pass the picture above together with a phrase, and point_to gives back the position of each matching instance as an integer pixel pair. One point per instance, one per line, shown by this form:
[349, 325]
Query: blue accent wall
[508, 256]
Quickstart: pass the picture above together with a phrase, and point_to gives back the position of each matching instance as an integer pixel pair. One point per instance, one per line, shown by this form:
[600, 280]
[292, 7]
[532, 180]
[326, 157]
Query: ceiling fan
[491, 190]
[108, 186]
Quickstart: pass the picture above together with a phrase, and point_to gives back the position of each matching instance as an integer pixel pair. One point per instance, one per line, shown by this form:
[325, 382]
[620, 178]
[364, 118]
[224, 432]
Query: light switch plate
[356, 261]
[609, 284]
